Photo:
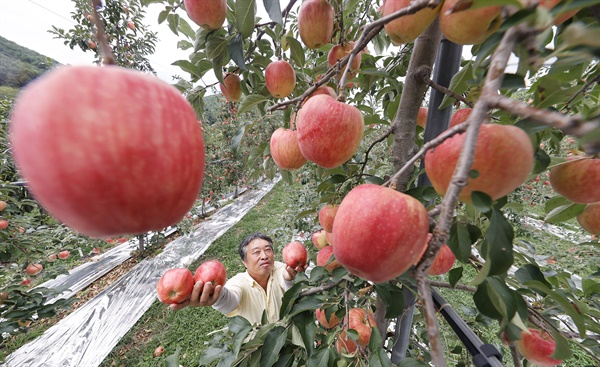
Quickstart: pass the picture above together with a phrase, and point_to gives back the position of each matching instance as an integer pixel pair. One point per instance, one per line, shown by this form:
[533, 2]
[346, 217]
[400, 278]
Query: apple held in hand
[327, 215]
[589, 218]
[108, 150]
[329, 132]
[208, 14]
[175, 286]
[537, 346]
[503, 160]
[578, 179]
[231, 90]
[211, 271]
[319, 239]
[280, 78]
[285, 150]
[294, 254]
[379, 232]
[407, 28]
[469, 26]
[315, 23]
[34, 269]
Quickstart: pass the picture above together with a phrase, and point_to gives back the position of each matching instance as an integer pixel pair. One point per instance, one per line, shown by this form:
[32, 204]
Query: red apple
[211, 271]
[52, 258]
[34, 269]
[285, 150]
[159, 351]
[422, 117]
[379, 232]
[323, 89]
[339, 51]
[589, 218]
[175, 286]
[99, 165]
[550, 4]
[358, 319]
[319, 239]
[131, 25]
[96, 250]
[231, 90]
[578, 179]
[315, 23]
[443, 261]
[294, 254]
[469, 26]
[503, 160]
[280, 78]
[329, 237]
[329, 132]
[407, 28]
[25, 282]
[322, 318]
[323, 257]
[2, 205]
[345, 345]
[3, 223]
[92, 45]
[327, 215]
[537, 346]
[208, 14]
[64, 254]
[460, 116]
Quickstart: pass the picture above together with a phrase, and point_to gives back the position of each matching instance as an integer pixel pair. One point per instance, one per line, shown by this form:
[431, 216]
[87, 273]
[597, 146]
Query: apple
[159, 351]
[323, 257]
[285, 150]
[52, 258]
[345, 345]
[25, 282]
[503, 160]
[407, 28]
[98, 164]
[460, 116]
[96, 250]
[294, 254]
[2, 205]
[469, 26]
[3, 223]
[358, 319]
[131, 25]
[322, 318]
[589, 218]
[329, 132]
[537, 346]
[443, 261]
[34, 269]
[561, 18]
[378, 232]
[231, 90]
[323, 89]
[64, 254]
[422, 117]
[315, 23]
[319, 239]
[280, 78]
[211, 271]
[208, 14]
[339, 51]
[175, 286]
[327, 215]
[577, 179]
[329, 237]
[92, 45]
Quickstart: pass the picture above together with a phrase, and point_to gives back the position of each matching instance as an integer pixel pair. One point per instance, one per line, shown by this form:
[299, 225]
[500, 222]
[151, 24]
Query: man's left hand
[290, 273]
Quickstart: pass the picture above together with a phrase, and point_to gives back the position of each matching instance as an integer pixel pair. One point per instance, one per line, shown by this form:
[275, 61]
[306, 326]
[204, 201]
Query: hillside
[18, 66]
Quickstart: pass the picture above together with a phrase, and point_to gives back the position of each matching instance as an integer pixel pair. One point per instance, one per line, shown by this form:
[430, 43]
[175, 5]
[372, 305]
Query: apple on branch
[319, 239]
[422, 117]
[285, 149]
[363, 322]
[231, 90]
[537, 346]
[460, 116]
[407, 28]
[321, 315]
[208, 14]
[327, 215]
[589, 218]
[469, 26]
[324, 258]
[280, 78]
[34, 269]
[315, 23]
[578, 179]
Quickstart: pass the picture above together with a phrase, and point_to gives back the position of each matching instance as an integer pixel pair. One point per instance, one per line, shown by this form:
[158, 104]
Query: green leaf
[554, 202]
[513, 82]
[163, 15]
[589, 287]
[562, 350]
[391, 295]
[411, 362]
[185, 28]
[379, 357]
[458, 84]
[485, 302]
[289, 297]
[216, 46]
[530, 126]
[482, 201]
[306, 304]
[273, 343]
[173, 20]
[286, 357]
[531, 272]
[250, 102]
[305, 322]
[564, 212]
[187, 67]
[240, 327]
[274, 10]
[460, 242]
[296, 50]
[173, 359]
[321, 358]
[235, 48]
[244, 16]
[499, 242]
[454, 275]
[239, 135]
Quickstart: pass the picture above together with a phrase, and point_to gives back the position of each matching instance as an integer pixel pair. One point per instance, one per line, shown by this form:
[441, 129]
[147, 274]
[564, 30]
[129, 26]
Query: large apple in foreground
[208, 14]
[231, 90]
[294, 254]
[329, 132]
[211, 271]
[285, 150]
[175, 286]
[407, 28]
[578, 179]
[469, 26]
[537, 346]
[327, 215]
[280, 78]
[503, 160]
[108, 150]
[378, 232]
[589, 218]
[315, 23]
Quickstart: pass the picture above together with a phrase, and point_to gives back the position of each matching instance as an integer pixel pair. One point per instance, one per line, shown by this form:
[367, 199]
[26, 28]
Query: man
[250, 293]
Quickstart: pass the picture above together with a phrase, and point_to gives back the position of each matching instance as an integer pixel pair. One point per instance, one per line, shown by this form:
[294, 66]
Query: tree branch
[379, 140]
[424, 75]
[321, 289]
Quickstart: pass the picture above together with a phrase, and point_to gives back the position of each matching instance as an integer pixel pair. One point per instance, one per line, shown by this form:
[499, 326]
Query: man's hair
[246, 241]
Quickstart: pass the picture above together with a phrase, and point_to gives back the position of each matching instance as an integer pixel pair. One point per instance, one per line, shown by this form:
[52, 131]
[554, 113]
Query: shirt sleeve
[228, 301]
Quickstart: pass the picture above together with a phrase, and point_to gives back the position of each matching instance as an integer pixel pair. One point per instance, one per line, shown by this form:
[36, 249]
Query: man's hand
[203, 294]
[290, 273]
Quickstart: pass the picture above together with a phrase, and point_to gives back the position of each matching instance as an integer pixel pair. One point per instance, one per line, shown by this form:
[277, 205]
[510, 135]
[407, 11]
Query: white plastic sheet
[86, 336]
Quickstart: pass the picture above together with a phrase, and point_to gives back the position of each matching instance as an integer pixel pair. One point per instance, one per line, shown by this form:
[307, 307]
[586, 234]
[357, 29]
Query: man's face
[260, 258]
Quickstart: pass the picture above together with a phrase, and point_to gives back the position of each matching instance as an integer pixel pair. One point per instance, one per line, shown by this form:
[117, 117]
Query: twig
[321, 289]
[108, 58]
[424, 75]
[583, 89]
[379, 140]
[462, 287]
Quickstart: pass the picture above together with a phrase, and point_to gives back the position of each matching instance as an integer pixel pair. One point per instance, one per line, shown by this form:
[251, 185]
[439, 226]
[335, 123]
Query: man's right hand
[203, 294]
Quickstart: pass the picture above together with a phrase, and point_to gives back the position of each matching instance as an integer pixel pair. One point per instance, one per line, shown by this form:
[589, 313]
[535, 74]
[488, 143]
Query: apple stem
[108, 58]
